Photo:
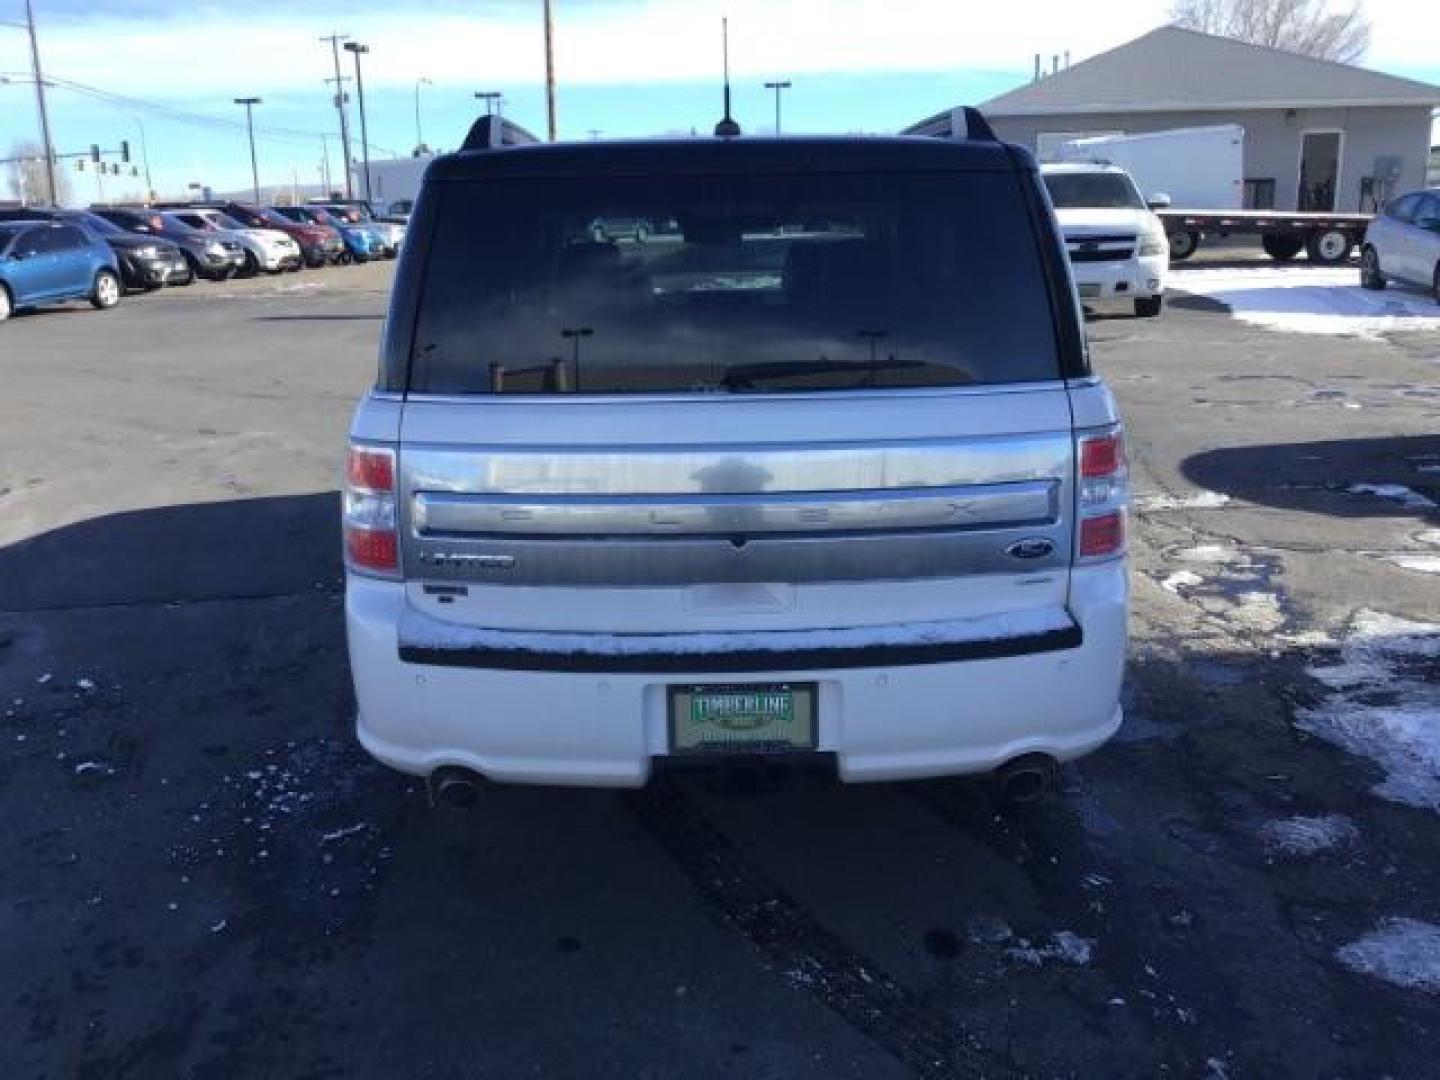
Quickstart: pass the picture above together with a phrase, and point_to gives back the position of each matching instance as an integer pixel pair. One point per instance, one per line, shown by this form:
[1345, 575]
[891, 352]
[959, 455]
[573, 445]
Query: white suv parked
[1117, 245]
[823, 472]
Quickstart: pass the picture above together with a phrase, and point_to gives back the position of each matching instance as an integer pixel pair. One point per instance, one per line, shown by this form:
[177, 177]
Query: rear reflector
[371, 549]
[1102, 535]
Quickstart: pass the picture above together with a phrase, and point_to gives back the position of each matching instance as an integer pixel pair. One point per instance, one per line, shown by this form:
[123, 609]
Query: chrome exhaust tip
[1027, 779]
[455, 788]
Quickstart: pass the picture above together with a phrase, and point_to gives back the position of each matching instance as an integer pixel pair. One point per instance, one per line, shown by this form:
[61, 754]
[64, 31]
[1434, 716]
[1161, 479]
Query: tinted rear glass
[1104, 191]
[732, 284]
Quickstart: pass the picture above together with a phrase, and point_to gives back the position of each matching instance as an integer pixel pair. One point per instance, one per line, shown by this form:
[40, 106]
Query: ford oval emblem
[1033, 547]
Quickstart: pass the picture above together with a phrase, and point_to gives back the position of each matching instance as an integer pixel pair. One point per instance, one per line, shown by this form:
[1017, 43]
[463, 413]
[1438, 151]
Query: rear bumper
[1124, 279]
[894, 717]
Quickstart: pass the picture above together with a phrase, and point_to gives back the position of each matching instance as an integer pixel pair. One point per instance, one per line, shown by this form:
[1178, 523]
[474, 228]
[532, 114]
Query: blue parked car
[44, 262]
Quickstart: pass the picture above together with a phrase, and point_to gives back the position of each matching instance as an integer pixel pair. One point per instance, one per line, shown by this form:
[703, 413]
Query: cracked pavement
[204, 875]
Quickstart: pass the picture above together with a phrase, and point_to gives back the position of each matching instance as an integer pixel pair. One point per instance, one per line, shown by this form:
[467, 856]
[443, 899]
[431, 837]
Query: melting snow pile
[1385, 705]
[1307, 835]
[1202, 500]
[1310, 300]
[1405, 952]
[1063, 946]
[1396, 493]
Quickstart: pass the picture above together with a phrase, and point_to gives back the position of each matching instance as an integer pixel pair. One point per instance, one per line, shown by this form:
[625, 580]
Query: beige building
[1318, 135]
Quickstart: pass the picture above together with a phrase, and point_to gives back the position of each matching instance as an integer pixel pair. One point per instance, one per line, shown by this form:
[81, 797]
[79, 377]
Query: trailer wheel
[1183, 244]
[1329, 246]
[1370, 274]
[1282, 247]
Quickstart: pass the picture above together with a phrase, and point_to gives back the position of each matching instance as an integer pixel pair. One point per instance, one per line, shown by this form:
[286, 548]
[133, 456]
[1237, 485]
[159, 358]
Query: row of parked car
[51, 255]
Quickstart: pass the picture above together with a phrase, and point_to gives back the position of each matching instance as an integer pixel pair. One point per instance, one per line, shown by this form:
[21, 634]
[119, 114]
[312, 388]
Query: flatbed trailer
[1325, 238]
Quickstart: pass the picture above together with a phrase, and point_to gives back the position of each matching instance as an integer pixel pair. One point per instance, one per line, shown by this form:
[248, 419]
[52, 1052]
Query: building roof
[1171, 69]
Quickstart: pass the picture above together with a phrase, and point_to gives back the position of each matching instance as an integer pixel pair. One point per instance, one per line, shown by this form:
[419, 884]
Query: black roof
[730, 156]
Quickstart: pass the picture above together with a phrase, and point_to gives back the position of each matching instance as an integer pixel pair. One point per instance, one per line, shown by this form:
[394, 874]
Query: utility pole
[53, 186]
[358, 50]
[335, 40]
[250, 103]
[325, 165]
[549, 71]
[419, 134]
[777, 87]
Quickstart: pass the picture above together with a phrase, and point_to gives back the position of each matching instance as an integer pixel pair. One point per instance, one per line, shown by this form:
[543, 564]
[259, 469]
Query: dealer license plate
[742, 719]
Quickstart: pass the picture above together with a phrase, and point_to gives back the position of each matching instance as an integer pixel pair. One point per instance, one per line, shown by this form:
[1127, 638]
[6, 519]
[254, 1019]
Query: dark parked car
[208, 256]
[318, 244]
[45, 262]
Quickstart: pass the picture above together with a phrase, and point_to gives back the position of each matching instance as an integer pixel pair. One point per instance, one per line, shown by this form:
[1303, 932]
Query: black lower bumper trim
[745, 660]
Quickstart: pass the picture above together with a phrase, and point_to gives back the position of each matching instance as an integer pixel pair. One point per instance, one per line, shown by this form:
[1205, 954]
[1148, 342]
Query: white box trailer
[391, 180]
[1202, 171]
[1199, 167]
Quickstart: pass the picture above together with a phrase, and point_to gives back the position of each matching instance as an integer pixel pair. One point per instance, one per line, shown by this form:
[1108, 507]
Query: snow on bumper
[1123, 279]
[556, 722]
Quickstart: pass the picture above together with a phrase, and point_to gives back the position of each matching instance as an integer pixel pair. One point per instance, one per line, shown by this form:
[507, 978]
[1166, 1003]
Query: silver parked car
[1403, 244]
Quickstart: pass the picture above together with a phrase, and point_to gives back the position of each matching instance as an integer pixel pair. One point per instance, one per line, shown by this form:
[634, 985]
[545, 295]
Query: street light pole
[419, 134]
[53, 186]
[358, 50]
[250, 103]
[549, 72]
[334, 40]
[777, 87]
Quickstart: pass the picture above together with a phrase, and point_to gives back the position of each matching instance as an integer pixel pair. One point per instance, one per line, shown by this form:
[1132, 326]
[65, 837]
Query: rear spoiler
[491, 132]
[966, 122]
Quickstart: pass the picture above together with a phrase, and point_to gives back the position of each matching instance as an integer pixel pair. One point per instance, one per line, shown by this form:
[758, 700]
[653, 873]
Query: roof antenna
[727, 128]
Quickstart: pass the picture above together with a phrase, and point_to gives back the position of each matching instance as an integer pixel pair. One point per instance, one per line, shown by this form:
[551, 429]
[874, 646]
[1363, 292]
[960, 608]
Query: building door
[1319, 170]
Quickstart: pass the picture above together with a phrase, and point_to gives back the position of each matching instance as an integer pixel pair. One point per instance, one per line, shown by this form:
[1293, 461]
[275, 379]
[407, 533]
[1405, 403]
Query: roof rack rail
[965, 122]
[493, 131]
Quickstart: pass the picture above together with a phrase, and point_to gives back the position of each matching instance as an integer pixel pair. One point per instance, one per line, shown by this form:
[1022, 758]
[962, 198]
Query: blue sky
[625, 67]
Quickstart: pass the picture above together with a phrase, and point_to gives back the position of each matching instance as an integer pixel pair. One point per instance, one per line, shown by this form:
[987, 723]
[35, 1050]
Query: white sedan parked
[1403, 244]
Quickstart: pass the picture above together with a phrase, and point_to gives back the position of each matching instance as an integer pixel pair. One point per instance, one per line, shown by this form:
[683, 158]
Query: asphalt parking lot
[204, 875]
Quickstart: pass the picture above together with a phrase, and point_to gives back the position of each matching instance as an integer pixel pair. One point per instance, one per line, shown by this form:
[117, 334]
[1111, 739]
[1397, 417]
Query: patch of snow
[1211, 554]
[1396, 493]
[1309, 300]
[1382, 707]
[1202, 500]
[1424, 536]
[88, 767]
[45, 678]
[1259, 611]
[418, 630]
[1425, 564]
[84, 684]
[217, 927]
[1063, 946]
[1308, 835]
[1404, 952]
[340, 834]
[1181, 579]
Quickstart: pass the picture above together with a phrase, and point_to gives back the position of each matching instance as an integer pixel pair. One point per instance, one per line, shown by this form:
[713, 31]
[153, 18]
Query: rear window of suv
[732, 284]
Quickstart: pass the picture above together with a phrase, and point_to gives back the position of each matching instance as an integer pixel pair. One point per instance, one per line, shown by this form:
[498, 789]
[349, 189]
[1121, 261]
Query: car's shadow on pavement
[1376, 477]
[175, 554]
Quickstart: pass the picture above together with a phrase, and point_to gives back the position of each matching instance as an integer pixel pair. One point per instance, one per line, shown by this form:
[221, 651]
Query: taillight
[1103, 493]
[372, 541]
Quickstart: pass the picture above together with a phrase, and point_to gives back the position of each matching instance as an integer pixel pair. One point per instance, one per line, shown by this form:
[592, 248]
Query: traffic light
[125, 151]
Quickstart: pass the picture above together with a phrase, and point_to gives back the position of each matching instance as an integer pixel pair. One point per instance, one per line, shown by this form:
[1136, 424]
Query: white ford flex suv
[822, 471]
[1116, 243]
